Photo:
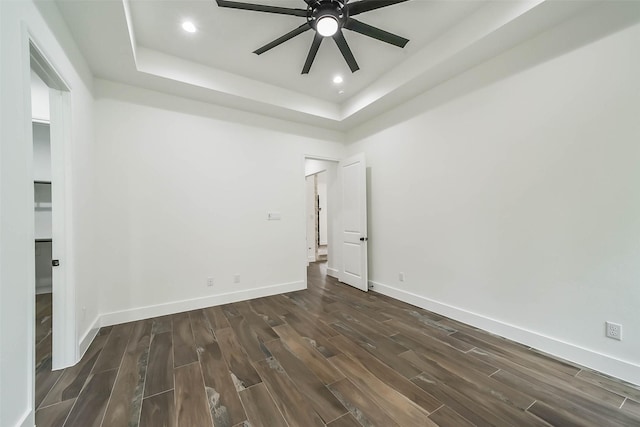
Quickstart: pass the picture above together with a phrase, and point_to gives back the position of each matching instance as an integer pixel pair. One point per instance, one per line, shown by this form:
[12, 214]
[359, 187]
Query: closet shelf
[42, 182]
[44, 240]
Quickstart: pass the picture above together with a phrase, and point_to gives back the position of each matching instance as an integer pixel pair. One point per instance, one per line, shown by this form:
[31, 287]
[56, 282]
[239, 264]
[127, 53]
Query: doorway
[55, 341]
[321, 206]
[42, 185]
[346, 217]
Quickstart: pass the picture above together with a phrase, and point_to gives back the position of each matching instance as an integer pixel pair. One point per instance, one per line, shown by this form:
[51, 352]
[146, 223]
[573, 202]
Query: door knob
[364, 239]
[55, 262]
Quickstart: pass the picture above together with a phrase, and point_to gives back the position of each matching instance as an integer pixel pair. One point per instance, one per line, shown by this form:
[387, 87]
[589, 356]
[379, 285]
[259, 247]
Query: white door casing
[353, 180]
[310, 187]
[64, 329]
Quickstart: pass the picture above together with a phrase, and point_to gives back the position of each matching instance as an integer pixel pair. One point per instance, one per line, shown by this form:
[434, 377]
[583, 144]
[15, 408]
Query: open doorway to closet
[321, 179]
[42, 184]
[55, 340]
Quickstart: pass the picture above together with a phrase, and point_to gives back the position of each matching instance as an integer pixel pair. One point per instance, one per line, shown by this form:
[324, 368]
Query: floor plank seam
[532, 403]
[436, 410]
[623, 402]
[48, 392]
[211, 409]
[144, 381]
[158, 393]
[115, 381]
[470, 350]
[175, 394]
[274, 401]
[69, 413]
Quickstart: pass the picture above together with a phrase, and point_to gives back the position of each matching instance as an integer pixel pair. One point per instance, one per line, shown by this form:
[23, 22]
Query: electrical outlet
[614, 330]
[210, 281]
[401, 277]
[236, 278]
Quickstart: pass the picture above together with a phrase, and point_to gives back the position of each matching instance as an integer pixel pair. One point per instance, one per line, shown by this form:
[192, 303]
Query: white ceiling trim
[170, 67]
[494, 27]
[130, 32]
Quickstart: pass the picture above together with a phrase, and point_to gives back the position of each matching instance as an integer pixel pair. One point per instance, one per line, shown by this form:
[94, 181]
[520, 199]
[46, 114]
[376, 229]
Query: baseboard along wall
[606, 364]
[146, 312]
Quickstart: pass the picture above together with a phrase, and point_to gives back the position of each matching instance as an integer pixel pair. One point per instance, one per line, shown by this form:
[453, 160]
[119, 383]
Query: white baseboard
[27, 420]
[609, 365]
[150, 311]
[44, 289]
[88, 337]
[333, 272]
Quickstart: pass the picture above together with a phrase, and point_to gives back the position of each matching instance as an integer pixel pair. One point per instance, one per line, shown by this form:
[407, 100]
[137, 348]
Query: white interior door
[353, 179]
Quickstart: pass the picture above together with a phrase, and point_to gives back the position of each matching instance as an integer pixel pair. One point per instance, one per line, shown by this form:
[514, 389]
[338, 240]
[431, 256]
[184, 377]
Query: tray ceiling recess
[143, 43]
[327, 18]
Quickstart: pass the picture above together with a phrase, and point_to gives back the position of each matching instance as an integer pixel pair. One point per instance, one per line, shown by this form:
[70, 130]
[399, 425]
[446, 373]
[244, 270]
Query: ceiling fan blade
[367, 5]
[312, 53]
[261, 8]
[346, 52]
[291, 34]
[375, 32]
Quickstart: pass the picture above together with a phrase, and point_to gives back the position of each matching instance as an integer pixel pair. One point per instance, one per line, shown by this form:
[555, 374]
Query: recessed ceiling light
[337, 80]
[189, 27]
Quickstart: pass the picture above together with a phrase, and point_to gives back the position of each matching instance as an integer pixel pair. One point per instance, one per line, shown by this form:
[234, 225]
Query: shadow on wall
[588, 27]
[163, 101]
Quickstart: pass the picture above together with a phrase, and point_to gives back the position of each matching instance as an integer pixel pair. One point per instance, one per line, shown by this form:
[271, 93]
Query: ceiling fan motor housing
[327, 8]
[327, 18]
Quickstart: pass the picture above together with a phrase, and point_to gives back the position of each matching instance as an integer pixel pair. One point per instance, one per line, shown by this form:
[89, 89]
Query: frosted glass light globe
[327, 26]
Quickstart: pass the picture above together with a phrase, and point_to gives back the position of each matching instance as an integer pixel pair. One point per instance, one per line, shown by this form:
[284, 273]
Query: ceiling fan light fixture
[328, 18]
[327, 25]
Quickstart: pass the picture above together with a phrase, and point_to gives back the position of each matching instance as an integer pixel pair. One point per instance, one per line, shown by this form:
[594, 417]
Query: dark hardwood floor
[327, 356]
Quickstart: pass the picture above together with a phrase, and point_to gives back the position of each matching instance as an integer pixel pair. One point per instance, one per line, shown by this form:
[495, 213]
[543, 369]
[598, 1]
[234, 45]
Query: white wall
[39, 98]
[16, 189]
[184, 192]
[41, 152]
[314, 166]
[515, 206]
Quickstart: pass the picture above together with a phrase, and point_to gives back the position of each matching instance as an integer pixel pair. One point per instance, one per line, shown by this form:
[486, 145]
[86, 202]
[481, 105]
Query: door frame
[335, 219]
[64, 335]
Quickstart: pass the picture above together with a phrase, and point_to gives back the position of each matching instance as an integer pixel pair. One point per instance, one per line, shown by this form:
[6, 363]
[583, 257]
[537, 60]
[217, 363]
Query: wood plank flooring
[326, 356]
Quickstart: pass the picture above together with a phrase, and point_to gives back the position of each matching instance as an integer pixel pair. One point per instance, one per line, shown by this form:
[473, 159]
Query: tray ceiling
[141, 42]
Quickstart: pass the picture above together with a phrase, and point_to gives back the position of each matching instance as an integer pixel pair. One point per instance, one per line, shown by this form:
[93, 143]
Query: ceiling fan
[327, 18]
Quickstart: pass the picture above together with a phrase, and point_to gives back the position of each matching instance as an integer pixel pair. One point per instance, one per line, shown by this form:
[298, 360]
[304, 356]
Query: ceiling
[141, 42]
[227, 38]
